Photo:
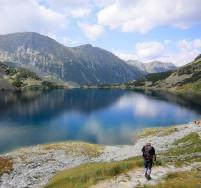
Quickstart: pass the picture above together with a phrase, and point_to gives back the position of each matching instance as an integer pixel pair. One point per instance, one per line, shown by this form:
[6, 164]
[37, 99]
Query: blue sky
[144, 30]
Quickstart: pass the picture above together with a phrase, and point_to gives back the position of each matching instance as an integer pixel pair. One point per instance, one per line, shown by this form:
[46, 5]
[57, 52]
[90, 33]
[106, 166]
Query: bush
[17, 82]
[25, 73]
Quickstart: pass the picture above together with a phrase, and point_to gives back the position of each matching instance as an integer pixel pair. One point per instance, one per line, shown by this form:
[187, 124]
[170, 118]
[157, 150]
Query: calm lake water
[93, 115]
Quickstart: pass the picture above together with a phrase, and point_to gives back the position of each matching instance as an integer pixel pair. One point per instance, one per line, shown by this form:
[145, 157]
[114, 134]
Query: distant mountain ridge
[84, 64]
[152, 67]
[185, 79]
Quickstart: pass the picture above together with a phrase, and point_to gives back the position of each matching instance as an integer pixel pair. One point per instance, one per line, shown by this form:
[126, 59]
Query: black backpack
[147, 152]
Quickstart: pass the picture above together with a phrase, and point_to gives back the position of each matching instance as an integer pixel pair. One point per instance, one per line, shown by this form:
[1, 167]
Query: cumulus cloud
[185, 45]
[124, 55]
[101, 3]
[27, 15]
[143, 15]
[185, 51]
[65, 5]
[80, 12]
[91, 31]
[149, 49]
[76, 9]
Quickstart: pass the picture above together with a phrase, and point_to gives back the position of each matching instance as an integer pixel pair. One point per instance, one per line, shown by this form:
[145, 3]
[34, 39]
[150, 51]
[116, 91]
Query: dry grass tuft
[76, 148]
[6, 165]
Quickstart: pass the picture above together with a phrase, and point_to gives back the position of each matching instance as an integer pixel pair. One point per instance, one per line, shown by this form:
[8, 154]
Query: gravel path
[34, 166]
[136, 177]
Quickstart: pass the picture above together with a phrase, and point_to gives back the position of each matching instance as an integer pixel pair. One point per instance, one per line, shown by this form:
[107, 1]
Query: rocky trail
[136, 177]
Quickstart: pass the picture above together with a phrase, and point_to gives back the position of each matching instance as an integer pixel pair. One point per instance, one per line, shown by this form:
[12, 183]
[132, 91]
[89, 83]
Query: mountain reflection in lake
[92, 115]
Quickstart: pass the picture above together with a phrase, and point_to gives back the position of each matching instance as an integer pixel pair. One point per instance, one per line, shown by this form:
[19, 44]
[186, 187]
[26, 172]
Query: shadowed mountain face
[152, 67]
[83, 65]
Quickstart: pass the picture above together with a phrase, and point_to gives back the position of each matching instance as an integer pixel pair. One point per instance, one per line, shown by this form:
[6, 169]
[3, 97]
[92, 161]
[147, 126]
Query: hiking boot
[149, 177]
[145, 175]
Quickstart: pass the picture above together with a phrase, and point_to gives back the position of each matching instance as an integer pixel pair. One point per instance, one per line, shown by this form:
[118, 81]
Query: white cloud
[149, 49]
[27, 15]
[63, 5]
[80, 12]
[70, 42]
[167, 42]
[101, 3]
[91, 31]
[76, 8]
[143, 15]
[186, 51]
[125, 56]
[51, 35]
[189, 45]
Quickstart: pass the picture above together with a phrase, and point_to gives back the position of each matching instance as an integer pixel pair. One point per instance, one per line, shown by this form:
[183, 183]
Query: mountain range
[185, 79]
[85, 65]
[152, 67]
[51, 60]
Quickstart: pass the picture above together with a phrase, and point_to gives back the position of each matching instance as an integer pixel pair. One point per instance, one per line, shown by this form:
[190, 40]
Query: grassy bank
[159, 131]
[183, 151]
[88, 174]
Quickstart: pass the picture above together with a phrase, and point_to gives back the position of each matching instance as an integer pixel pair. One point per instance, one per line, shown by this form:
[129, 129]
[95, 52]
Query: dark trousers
[148, 165]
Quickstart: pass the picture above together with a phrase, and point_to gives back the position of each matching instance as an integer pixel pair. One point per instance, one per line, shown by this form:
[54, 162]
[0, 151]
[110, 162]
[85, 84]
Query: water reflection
[43, 105]
[95, 115]
[190, 101]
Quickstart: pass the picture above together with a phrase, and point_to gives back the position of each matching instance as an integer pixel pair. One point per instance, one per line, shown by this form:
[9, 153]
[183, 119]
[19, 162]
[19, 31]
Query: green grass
[160, 131]
[187, 179]
[88, 174]
[186, 145]
[6, 165]
[194, 87]
[22, 78]
[182, 148]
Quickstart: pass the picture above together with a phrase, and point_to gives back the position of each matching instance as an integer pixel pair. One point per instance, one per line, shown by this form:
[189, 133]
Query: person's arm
[143, 151]
[154, 154]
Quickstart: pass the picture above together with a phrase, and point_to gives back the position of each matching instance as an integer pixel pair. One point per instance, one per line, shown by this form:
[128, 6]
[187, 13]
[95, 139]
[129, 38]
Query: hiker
[148, 154]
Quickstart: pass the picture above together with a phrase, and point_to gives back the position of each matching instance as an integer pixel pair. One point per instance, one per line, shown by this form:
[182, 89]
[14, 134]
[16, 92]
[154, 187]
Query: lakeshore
[34, 166]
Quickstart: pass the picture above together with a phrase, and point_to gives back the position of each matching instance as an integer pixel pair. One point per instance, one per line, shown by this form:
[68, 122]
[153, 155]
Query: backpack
[147, 152]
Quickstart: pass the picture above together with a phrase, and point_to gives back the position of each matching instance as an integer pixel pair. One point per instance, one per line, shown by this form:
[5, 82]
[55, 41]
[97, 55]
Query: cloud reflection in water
[97, 116]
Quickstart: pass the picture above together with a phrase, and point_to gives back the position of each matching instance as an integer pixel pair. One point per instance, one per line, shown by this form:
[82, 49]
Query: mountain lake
[102, 116]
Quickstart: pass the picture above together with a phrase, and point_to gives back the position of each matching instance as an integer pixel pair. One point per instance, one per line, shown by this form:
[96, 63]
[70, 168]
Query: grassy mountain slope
[82, 65]
[185, 79]
[4, 84]
[21, 78]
